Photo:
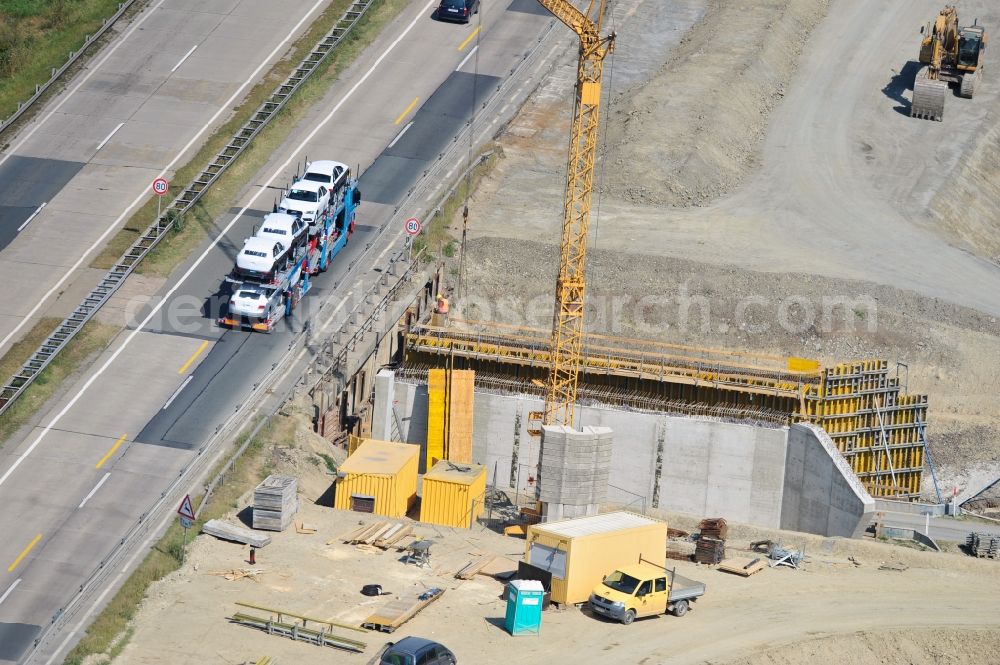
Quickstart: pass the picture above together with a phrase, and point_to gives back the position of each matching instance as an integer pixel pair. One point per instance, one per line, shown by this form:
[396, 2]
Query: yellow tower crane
[571, 284]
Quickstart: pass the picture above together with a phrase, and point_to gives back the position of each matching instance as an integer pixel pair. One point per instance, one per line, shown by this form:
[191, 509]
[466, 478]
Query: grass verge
[37, 36]
[438, 239]
[111, 630]
[176, 247]
[90, 341]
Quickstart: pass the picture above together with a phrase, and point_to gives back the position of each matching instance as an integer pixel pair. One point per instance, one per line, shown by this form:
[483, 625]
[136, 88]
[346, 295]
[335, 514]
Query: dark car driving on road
[457, 10]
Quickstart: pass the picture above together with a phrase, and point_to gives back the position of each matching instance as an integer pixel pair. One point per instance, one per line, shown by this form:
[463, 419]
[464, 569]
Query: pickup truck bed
[683, 588]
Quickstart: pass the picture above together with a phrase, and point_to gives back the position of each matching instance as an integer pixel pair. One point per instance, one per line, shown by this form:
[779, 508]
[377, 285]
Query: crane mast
[571, 283]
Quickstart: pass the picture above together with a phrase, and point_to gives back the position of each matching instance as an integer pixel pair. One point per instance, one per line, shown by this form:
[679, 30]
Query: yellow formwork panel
[461, 397]
[437, 417]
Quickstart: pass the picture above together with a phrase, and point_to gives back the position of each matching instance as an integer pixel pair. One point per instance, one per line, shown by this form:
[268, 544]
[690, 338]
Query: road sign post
[412, 227]
[186, 511]
[160, 187]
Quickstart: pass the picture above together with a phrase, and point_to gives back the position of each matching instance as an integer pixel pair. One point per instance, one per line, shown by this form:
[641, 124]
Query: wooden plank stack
[710, 550]
[984, 545]
[713, 527]
[275, 502]
[383, 535]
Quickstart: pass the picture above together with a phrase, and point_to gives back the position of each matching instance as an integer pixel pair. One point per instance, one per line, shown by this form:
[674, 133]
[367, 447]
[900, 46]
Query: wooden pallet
[396, 612]
[744, 566]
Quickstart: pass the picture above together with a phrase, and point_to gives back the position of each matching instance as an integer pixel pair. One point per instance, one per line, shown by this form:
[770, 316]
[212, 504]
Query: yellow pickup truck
[642, 590]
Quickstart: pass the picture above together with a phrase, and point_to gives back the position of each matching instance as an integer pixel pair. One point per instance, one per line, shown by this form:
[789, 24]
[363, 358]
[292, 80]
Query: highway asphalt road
[120, 436]
[139, 109]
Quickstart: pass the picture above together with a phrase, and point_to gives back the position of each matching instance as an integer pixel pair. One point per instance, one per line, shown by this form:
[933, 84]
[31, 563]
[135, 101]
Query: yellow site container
[580, 552]
[453, 494]
[379, 477]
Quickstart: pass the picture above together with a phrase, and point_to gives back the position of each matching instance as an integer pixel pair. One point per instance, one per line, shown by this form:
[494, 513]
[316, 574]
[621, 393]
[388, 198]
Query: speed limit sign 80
[412, 226]
[160, 186]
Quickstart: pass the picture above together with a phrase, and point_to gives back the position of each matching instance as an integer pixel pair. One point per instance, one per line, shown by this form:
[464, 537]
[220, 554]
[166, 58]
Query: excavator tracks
[970, 82]
[928, 97]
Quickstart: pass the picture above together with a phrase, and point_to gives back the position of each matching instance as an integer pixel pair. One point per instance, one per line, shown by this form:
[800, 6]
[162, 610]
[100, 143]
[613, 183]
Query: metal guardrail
[41, 89]
[128, 262]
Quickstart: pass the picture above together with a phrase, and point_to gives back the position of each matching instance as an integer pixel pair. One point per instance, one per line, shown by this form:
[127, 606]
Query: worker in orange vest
[442, 306]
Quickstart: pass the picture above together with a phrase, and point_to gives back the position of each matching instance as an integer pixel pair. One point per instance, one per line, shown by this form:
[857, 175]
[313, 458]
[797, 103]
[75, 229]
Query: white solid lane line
[31, 217]
[177, 392]
[224, 108]
[108, 137]
[9, 590]
[186, 56]
[400, 135]
[94, 491]
[466, 58]
[222, 234]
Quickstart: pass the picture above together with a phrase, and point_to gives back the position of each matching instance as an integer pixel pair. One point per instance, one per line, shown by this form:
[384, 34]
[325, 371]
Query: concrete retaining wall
[692, 465]
[822, 495]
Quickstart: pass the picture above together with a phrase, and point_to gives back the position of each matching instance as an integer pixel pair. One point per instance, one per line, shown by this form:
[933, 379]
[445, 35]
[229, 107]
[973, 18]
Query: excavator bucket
[928, 97]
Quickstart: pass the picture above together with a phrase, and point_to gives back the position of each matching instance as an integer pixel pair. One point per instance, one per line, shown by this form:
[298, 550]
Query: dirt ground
[762, 188]
[830, 610]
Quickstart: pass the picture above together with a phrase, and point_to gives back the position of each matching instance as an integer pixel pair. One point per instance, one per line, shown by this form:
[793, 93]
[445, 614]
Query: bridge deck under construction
[879, 429]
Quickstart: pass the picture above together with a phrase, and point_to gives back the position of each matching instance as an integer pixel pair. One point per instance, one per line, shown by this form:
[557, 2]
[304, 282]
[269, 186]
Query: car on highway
[328, 173]
[260, 259]
[417, 651]
[309, 200]
[287, 229]
[457, 10]
[250, 301]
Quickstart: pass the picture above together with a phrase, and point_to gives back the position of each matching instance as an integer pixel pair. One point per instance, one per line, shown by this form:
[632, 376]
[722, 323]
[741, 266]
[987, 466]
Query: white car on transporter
[307, 199]
[261, 259]
[289, 230]
[332, 175]
[251, 301]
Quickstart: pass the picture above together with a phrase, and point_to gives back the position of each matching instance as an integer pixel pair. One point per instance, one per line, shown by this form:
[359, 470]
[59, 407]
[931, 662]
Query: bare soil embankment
[692, 134]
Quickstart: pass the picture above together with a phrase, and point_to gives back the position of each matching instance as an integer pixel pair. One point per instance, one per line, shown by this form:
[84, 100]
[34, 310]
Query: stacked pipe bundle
[275, 502]
[984, 545]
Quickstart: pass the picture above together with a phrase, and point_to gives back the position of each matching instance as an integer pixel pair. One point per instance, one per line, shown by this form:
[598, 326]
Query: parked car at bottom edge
[457, 10]
[417, 651]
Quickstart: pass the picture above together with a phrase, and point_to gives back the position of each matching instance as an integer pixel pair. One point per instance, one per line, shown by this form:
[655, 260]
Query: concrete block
[382, 417]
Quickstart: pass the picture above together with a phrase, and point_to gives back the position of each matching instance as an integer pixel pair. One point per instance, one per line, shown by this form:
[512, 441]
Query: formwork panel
[437, 423]
[461, 394]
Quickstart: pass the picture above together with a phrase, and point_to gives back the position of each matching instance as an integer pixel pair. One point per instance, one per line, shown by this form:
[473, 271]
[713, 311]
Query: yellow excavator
[950, 54]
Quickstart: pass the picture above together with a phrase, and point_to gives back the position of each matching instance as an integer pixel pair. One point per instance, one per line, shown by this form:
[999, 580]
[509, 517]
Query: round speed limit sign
[160, 186]
[412, 226]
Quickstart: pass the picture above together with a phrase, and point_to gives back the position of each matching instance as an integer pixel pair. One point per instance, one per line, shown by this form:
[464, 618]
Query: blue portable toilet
[524, 607]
